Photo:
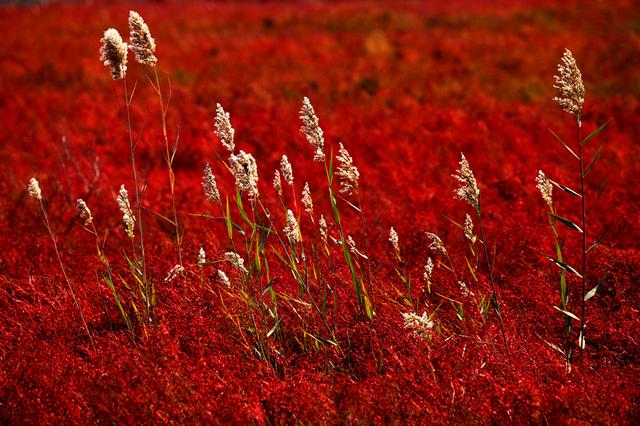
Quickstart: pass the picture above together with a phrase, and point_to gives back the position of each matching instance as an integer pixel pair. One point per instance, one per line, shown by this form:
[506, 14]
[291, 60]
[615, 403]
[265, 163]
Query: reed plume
[311, 129]
[570, 86]
[244, 169]
[347, 172]
[141, 43]
[224, 130]
[209, 184]
[113, 53]
[128, 218]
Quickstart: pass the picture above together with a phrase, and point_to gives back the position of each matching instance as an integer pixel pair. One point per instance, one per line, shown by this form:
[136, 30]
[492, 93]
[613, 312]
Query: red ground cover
[406, 88]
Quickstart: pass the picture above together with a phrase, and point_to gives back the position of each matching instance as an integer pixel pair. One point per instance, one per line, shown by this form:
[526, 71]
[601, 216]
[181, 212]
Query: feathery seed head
[464, 289]
[287, 171]
[393, 238]
[223, 278]
[173, 273]
[352, 245]
[85, 213]
[428, 270]
[469, 190]
[127, 215]
[436, 244]
[224, 130]
[306, 199]
[546, 188]
[141, 42]
[347, 172]
[113, 53]
[209, 184]
[570, 86]
[468, 229]
[235, 260]
[277, 183]
[420, 325]
[322, 225]
[245, 170]
[34, 189]
[291, 231]
[311, 129]
[202, 257]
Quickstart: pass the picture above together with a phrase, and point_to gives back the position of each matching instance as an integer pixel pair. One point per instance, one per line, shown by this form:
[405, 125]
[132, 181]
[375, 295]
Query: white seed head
[113, 53]
[570, 86]
[306, 199]
[347, 172]
[469, 190]
[545, 187]
[581, 340]
[141, 43]
[173, 273]
[420, 325]
[209, 184]
[34, 189]
[393, 238]
[224, 130]
[352, 245]
[235, 260]
[223, 278]
[291, 231]
[436, 244]
[428, 270]
[277, 183]
[287, 171]
[468, 229]
[245, 170]
[322, 225]
[311, 129]
[127, 215]
[202, 256]
[85, 213]
[464, 289]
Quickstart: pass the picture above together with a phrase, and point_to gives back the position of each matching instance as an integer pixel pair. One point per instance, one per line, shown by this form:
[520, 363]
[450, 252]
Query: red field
[405, 89]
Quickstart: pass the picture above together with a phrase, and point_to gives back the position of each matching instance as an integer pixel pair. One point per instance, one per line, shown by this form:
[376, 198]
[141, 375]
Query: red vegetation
[406, 89]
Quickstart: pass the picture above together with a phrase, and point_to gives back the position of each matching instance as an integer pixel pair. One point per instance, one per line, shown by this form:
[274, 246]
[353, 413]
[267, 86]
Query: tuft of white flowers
[127, 215]
[570, 86]
[420, 325]
[113, 53]
[546, 188]
[311, 129]
[469, 190]
[306, 199]
[322, 226]
[436, 244]
[141, 43]
[209, 184]
[277, 183]
[173, 273]
[291, 231]
[85, 213]
[223, 278]
[468, 229]
[235, 260]
[393, 238]
[33, 189]
[428, 270]
[287, 170]
[202, 257]
[347, 172]
[245, 170]
[224, 130]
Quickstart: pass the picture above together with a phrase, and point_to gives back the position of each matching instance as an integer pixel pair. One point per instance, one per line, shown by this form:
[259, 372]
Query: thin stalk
[134, 173]
[64, 272]
[584, 242]
[169, 160]
[494, 298]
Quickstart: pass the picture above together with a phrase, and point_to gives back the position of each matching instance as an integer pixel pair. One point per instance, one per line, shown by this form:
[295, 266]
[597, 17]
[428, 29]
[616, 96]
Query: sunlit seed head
[113, 53]
[311, 129]
[85, 213]
[234, 259]
[306, 199]
[141, 43]
[468, 229]
[209, 184]
[322, 226]
[202, 256]
[436, 244]
[33, 189]
[468, 190]
[174, 273]
[277, 183]
[570, 86]
[223, 278]
[287, 170]
[224, 130]
[347, 172]
[244, 169]
[127, 215]
[545, 187]
[291, 231]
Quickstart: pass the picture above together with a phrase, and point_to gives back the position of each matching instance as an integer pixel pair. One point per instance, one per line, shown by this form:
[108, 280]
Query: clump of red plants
[273, 277]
